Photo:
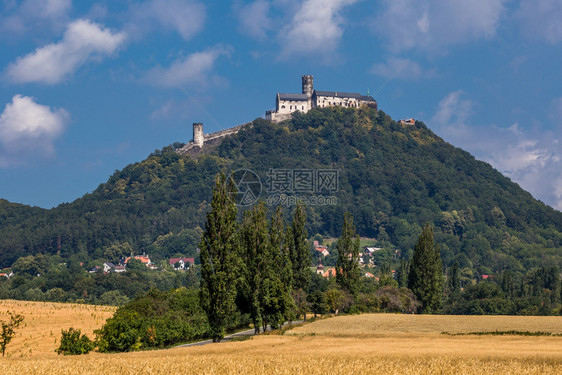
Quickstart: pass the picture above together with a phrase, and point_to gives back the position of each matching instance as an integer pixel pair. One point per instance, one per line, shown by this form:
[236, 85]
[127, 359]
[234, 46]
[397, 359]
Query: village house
[145, 259]
[408, 121]
[181, 263]
[320, 270]
[330, 272]
[369, 250]
[108, 267]
[322, 250]
[7, 273]
[119, 269]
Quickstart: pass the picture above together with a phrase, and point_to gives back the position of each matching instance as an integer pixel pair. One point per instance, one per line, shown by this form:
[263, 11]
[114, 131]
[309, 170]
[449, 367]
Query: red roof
[143, 258]
[185, 260]
[330, 272]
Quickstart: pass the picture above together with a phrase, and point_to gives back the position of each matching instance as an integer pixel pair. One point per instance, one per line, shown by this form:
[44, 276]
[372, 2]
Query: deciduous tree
[8, 330]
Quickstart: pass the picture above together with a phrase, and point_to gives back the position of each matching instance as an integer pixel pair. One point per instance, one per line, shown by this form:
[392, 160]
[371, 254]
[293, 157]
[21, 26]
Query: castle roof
[337, 94]
[293, 97]
[367, 99]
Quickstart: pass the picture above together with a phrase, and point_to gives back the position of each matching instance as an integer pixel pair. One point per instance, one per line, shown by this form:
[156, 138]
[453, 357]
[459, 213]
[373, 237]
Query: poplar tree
[280, 248]
[347, 264]
[267, 295]
[426, 272]
[255, 249]
[299, 249]
[219, 260]
[280, 305]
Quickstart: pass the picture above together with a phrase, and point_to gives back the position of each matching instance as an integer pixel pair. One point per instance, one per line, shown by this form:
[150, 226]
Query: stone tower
[198, 138]
[307, 88]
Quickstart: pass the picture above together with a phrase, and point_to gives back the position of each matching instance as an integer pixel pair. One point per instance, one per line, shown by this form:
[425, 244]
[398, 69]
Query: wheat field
[40, 331]
[370, 343]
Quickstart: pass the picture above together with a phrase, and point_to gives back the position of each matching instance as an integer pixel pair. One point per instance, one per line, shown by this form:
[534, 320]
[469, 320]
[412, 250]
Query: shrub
[72, 342]
[155, 320]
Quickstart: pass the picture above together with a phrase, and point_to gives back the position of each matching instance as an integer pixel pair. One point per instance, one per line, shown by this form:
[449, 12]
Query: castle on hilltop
[286, 104]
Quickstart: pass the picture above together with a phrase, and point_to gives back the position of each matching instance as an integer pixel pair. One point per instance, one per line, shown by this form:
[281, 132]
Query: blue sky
[87, 89]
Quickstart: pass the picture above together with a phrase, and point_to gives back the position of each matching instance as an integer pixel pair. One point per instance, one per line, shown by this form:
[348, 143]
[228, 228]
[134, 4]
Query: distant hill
[392, 178]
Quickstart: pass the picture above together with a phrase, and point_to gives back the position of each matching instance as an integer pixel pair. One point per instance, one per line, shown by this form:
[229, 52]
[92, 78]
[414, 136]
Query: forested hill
[392, 178]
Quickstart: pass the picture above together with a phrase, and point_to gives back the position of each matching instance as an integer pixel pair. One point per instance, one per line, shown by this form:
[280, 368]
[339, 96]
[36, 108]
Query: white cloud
[28, 130]
[82, 41]
[193, 69]
[254, 19]
[556, 112]
[33, 15]
[186, 17]
[434, 24]
[453, 109]
[401, 68]
[316, 28]
[532, 158]
[541, 19]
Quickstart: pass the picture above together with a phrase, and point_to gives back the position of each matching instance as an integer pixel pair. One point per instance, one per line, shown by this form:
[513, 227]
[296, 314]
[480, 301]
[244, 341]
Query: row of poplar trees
[253, 266]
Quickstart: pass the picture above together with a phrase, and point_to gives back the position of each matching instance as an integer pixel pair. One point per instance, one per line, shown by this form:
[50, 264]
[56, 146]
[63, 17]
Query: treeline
[54, 279]
[257, 270]
[537, 292]
[392, 179]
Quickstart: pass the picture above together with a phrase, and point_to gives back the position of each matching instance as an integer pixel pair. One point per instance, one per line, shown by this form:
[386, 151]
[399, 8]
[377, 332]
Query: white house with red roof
[181, 263]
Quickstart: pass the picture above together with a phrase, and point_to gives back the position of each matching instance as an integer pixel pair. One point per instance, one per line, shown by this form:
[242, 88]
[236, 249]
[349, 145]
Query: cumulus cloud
[193, 69]
[541, 19]
[28, 130]
[32, 15]
[186, 17]
[532, 158]
[82, 41]
[316, 28]
[435, 24]
[254, 19]
[401, 68]
[453, 109]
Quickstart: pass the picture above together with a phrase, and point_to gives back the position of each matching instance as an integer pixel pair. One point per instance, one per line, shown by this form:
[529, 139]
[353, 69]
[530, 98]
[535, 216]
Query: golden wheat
[43, 321]
[373, 344]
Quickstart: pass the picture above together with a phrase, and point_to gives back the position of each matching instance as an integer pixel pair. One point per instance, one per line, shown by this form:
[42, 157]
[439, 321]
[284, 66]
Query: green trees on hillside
[426, 272]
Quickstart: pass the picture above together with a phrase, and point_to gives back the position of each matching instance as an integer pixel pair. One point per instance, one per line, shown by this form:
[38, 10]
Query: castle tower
[198, 138]
[307, 88]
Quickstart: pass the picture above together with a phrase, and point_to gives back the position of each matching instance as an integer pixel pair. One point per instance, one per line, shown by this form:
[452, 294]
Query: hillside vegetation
[392, 178]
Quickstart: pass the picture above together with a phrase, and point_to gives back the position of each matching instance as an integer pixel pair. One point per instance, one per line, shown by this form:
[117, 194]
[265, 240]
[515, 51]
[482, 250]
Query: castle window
[303, 107]
[283, 107]
[291, 107]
